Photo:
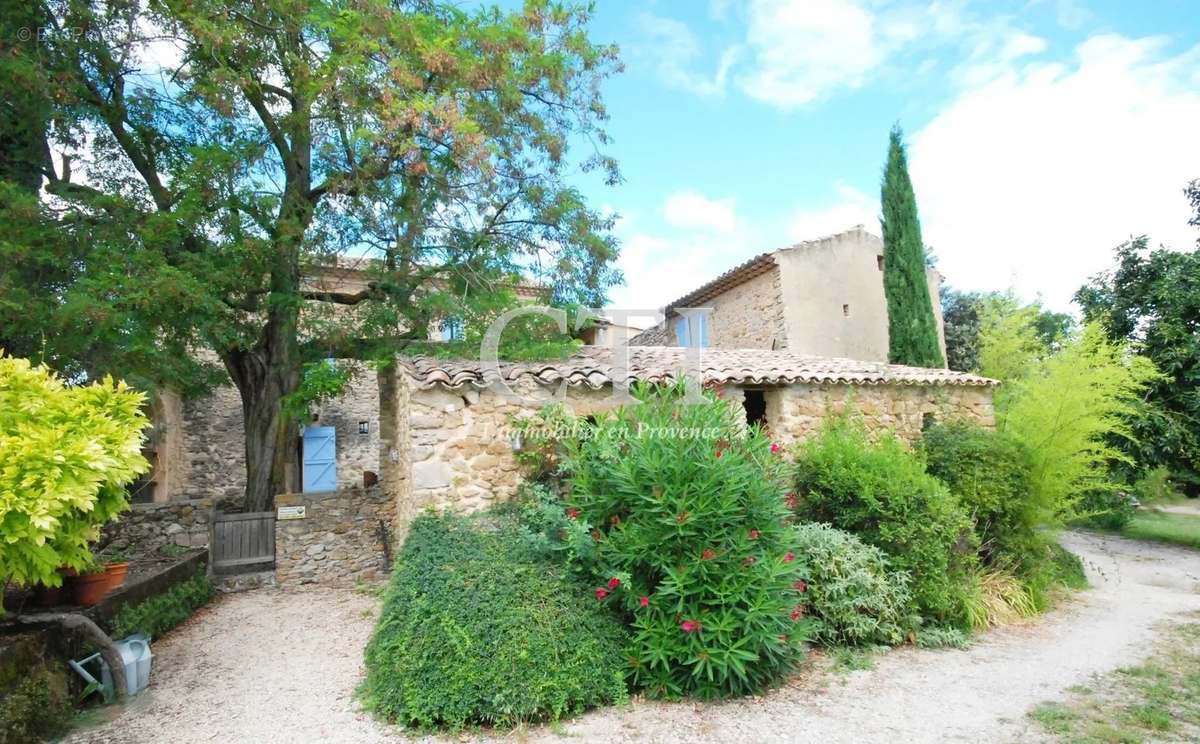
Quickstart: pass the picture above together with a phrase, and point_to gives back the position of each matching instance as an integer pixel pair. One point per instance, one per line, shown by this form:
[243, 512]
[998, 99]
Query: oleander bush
[686, 509]
[478, 628]
[156, 615]
[879, 491]
[853, 594]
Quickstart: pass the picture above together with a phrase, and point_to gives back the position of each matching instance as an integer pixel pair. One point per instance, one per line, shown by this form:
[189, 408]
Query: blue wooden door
[320, 458]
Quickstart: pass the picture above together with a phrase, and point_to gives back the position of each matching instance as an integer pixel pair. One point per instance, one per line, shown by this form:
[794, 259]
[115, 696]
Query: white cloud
[852, 207]
[691, 209]
[994, 55]
[674, 51]
[1033, 177]
[705, 238]
[803, 49]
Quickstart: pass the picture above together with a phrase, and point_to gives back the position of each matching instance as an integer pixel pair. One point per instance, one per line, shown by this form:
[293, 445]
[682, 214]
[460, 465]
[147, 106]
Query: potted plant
[106, 573]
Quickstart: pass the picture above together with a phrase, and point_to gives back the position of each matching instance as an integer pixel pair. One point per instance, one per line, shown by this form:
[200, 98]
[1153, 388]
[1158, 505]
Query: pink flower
[792, 500]
[753, 534]
[690, 626]
[775, 448]
[719, 453]
[797, 613]
[573, 513]
[707, 555]
[644, 601]
[801, 586]
[614, 582]
[789, 557]
[601, 592]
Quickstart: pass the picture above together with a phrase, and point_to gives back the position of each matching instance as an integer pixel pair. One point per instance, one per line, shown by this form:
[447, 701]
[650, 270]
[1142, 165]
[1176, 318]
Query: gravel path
[274, 666]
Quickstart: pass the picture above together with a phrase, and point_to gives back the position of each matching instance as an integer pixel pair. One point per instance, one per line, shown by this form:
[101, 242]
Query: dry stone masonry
[339, 539]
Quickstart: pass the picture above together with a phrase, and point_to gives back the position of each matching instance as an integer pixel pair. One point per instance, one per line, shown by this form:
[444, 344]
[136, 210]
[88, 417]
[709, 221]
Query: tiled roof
[593, 366]
[735, 276]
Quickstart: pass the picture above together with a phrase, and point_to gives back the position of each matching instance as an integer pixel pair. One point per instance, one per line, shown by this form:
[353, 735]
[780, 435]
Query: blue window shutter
[681, 332]
[320, 459]
[702, 327]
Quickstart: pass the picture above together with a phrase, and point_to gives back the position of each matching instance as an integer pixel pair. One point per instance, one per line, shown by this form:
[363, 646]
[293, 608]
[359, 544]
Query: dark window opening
[755, 403]
[928, 420]
[846, 310]
[879, 262]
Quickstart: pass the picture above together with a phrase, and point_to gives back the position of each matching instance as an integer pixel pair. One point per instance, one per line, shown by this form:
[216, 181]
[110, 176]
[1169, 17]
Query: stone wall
[337, 542]
[149, 526]
[796, 412]
[211, 459]
[749, 315]
[461, 442]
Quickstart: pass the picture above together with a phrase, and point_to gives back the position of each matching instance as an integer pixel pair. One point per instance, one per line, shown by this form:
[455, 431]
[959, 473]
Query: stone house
[822, 297]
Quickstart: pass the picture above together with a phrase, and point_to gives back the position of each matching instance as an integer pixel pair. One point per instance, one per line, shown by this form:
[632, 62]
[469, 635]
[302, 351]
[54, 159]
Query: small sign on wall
[290, 512]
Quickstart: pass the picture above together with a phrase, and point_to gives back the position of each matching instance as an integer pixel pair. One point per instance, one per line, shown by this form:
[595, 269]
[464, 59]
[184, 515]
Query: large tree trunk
[264, 375]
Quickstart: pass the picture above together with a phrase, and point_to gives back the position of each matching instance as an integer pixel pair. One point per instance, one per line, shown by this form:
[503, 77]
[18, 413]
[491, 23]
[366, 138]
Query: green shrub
[158, 614]
[68, 451]
[942, 636]
[880, 492]
[687, 511]
[989, 472]
[854, 596]
[1106, 510]
[477, 628]
[31, 712]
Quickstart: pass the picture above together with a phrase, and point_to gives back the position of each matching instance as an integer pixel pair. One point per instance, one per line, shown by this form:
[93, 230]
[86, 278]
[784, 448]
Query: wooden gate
[241, 543]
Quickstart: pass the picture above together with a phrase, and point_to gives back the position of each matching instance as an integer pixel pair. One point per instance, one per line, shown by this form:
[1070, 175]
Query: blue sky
[1041, 134]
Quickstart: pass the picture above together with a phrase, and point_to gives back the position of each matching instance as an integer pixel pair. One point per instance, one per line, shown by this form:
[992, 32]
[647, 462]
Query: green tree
[68, 453]
[912, 328]
[964, 313]
[1152, 299]
[283, 135]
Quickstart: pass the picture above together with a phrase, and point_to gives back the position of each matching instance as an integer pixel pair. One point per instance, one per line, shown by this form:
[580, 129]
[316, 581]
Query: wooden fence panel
[242, 542]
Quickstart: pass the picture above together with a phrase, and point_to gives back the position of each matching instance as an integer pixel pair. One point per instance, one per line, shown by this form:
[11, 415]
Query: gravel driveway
[275, 666]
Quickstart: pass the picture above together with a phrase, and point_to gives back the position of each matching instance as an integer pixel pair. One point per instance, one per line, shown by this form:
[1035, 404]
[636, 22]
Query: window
[692, 330]
[755, 403]
[451, 329]
[364, 427]
[879, 262]
[846, 310]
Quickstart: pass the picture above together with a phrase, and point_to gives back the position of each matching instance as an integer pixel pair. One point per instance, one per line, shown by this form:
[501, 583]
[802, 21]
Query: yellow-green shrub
[68, 453]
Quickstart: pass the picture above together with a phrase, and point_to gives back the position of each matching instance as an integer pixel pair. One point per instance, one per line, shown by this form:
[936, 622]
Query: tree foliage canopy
[912, 328]
[1152, 299]
[68, 453]
[205, 160]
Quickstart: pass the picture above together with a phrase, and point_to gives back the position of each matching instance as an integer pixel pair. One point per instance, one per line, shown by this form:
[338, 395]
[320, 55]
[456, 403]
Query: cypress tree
[912, 328]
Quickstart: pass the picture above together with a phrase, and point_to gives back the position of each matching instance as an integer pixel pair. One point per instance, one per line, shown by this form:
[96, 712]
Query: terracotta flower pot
[88, 589]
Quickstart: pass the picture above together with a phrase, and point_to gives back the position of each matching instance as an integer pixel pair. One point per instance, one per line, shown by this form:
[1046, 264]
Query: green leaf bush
[990, 473]
[478, 628]
[687, 511]
[67, 454]
[853, 594]
[879, 491]
[160, 613]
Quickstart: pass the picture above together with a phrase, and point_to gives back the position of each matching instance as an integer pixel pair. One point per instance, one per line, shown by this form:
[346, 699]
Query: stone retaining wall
[149, 526]
[337, 541]
[796, 412]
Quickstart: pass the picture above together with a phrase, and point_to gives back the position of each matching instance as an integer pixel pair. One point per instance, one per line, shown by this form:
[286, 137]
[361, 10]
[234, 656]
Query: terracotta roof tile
[593, 366]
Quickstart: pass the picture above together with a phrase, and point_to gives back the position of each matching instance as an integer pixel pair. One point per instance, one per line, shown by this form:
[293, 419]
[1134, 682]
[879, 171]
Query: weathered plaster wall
[149, 526]
[798, 411]
[833, 297]
[339, 539]
[461, 446]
